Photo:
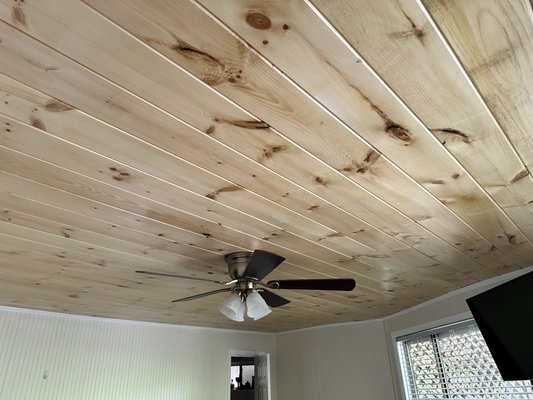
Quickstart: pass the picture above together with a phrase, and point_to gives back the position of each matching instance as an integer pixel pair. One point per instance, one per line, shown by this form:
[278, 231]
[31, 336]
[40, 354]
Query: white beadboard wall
[45, 356]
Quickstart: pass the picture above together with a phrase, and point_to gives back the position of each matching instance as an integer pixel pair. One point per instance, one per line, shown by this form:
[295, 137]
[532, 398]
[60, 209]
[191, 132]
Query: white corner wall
[443, 310]
[359, 360]
[345, 361]
[55, 356]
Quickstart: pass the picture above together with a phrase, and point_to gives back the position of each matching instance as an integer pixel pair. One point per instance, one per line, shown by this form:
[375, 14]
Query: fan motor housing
[237, 263]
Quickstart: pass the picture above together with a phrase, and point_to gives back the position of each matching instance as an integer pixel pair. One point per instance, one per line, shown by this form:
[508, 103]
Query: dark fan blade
[261, 264]
[272, 299]
[314, 284]
[197, 296]
[177, 276]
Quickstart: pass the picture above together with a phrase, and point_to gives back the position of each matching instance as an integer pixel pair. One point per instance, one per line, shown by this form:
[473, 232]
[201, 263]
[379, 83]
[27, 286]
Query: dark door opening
[242, 378]
[249, 375]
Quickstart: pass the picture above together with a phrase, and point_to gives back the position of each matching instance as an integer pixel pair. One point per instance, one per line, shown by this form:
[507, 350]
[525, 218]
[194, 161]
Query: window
[453, 362]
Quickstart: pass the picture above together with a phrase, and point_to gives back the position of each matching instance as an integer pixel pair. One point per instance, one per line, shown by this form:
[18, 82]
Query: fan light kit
[246, 271]
[234, 306]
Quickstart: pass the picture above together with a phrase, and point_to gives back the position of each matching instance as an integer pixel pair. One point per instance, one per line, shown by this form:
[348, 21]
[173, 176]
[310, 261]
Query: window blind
[453, 362]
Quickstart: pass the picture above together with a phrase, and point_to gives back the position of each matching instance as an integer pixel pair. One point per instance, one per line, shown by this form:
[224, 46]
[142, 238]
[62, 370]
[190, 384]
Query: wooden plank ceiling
[389, 141]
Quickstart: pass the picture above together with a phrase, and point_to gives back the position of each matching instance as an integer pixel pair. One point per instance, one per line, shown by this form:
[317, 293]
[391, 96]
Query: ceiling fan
[247, 292]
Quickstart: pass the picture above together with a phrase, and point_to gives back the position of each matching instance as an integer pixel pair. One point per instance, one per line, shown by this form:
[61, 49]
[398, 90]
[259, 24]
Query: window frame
[414, 329]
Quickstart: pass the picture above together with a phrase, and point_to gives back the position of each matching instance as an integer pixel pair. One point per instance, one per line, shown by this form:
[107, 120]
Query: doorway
[249, 377]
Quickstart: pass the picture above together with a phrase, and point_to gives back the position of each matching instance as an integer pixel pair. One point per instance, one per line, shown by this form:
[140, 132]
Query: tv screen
[504, 316]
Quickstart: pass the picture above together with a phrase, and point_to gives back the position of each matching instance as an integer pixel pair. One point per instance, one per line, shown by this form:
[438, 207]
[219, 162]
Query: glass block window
[453, 362]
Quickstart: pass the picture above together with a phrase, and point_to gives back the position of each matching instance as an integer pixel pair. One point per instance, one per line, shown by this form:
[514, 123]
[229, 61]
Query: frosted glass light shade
[233, 308]
[256, 305]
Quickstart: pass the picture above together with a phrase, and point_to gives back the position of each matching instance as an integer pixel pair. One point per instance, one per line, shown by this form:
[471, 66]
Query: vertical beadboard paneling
[50, 356]
[8, 330]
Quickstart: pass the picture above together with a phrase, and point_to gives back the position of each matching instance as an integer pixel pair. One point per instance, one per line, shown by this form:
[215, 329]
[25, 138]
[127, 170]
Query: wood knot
[370, 159]
[321, 181]
[119, 175]
[37, 123]
[57, 106]
[18, 16]
[397, 131]
[522, 174]
[443, 134]
[247, 124]
[511, 238]
[258, 21]
[231, 188]
[269, 151]
[65, 231]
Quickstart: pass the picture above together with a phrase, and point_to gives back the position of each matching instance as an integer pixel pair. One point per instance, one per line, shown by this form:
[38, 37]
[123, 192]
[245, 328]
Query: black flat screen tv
[504, 316]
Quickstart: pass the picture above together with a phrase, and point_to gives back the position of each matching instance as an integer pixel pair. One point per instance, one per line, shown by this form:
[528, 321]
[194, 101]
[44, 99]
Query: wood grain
[385, 141]
[364, 205]
[492, 41]
[258, 93]
[334, 180]
[416, 63]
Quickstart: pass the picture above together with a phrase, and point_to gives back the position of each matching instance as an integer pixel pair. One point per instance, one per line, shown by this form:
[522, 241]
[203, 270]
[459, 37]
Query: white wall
[55, 356]
[337, 362]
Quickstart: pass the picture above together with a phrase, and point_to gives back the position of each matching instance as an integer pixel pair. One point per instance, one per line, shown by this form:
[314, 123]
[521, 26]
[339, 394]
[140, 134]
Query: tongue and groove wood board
[386, 141]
